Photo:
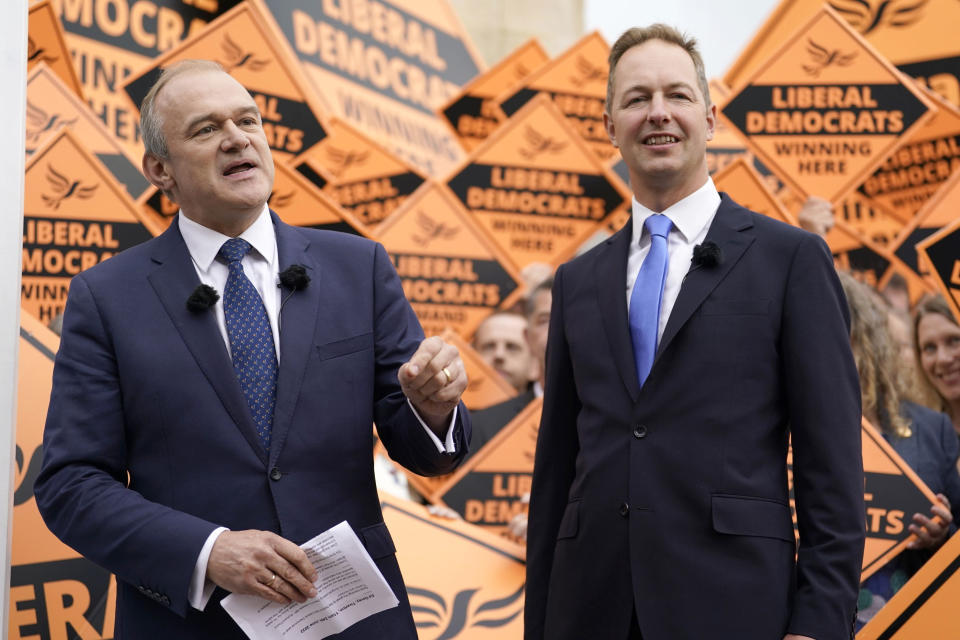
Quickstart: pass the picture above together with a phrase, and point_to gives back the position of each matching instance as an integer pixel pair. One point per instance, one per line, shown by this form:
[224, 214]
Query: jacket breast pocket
[344, 347]
[750, 516]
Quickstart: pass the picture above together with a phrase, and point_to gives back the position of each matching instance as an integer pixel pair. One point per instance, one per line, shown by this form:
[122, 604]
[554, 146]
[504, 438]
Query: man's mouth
[661, 139]
[238, 168]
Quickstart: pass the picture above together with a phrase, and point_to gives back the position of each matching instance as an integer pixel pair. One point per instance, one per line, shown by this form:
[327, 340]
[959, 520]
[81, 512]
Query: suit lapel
[611, 273]
[727, 231]
[174, 280]
[298, 316]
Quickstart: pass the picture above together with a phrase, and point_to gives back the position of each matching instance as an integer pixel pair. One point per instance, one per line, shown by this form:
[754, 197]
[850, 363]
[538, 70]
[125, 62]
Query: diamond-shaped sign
[452, 272]
[75, 215]
[576, 81]
[360, 175]
[536, 188]
[46, 44]
[918, 36]
[489, 488]
[51, 105]
[917, 168]
[473, 114]
[825, 109]
[463, 582]
[893, 493]
[748, 188]
[942, 252]
[939, 211]
[247, 50]
[298, 202]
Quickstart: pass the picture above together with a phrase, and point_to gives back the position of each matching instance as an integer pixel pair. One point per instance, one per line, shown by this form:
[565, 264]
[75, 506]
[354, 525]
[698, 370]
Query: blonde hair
[930, 305]
[636, 36]
[882, 380]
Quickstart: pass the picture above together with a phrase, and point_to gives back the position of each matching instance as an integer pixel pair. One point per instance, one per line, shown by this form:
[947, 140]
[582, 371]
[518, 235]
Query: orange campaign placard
[464, 583]
[54, 593]
[453, 274]
[485, 386]
[893, 493]
[46, 44]
[918, 36]
[51, 105]
[576, 81]
[747, 187]
[110, 39]
[727, 144]
[298, 202]
[926, 606]
[938, 212]
[942, 252]
[869, 218]
[870, 261]
[826, 109]
[473, 114]
[491, 487]
[385, 67]
[916, 169]
[360, 175]
[249, 51]
[74, 215]
[536, 188]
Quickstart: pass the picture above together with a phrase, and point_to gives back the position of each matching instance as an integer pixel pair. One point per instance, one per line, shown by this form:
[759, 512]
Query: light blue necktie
[647, 294]
[251, 339]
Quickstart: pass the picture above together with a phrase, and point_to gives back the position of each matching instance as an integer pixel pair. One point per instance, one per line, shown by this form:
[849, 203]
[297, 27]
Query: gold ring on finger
[446, 372]
[273, 579]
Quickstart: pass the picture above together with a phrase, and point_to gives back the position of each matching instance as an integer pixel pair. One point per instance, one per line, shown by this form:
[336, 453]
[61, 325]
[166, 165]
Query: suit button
[640, 432]
[624, 509]
[275, 474]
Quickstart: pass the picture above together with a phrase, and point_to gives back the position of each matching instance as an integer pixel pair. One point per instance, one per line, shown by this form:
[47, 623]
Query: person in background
[924, 439]
[500, 341]
[937, 339]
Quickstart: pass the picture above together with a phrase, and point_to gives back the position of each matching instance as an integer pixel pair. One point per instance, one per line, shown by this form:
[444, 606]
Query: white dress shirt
[261, 266]
[691, 219]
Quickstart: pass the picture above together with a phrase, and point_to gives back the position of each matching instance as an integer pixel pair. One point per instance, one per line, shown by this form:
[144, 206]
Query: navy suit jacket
[149, 444]
[672, 499]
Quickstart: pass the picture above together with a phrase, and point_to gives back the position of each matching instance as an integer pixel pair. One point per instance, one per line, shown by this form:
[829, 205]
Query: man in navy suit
[659, 505]
[162, 462]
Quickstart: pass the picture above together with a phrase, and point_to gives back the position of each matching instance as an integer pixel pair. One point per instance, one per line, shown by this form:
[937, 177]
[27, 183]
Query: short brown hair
[151, 125]
[636, 36]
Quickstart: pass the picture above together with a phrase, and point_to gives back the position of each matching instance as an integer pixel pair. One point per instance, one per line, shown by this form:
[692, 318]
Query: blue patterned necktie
[647, 294]
[251, 339]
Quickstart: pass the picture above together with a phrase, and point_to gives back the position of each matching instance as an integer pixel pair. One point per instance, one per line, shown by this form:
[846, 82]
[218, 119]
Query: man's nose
[233, 137]
[657, 110]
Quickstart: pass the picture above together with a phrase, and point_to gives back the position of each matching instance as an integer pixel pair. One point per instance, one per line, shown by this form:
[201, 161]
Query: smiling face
[938, 340]
[218, 167]
[659, 120]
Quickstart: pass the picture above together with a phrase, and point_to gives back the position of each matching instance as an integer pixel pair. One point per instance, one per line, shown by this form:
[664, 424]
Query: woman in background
[925, 439]
[937, 339]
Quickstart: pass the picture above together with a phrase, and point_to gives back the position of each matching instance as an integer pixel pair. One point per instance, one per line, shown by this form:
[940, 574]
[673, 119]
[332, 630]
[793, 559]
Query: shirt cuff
[447, 446]
[200, 589]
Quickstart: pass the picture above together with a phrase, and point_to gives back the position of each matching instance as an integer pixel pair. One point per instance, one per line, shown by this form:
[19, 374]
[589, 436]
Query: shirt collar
[204, 243]
[689, 216]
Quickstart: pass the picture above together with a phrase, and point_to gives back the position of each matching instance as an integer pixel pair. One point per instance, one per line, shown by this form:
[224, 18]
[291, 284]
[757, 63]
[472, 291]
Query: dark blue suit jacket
[149, 444]
[671, 499]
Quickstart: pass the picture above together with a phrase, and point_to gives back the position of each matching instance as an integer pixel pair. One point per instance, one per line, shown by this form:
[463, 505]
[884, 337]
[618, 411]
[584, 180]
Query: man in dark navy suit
[683, 353]
[215, 387]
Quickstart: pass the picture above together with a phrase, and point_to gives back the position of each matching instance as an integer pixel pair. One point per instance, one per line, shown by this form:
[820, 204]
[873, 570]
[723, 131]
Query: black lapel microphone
[202, 299]
[707, 255]
[294, 278]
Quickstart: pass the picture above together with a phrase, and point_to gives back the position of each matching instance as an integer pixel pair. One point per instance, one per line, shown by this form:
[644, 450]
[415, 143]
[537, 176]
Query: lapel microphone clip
[202, 299]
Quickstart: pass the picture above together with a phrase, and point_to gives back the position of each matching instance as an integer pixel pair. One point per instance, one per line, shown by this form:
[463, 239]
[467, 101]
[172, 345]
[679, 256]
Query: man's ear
[711, 121]
[611, 129]
[155, 169]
